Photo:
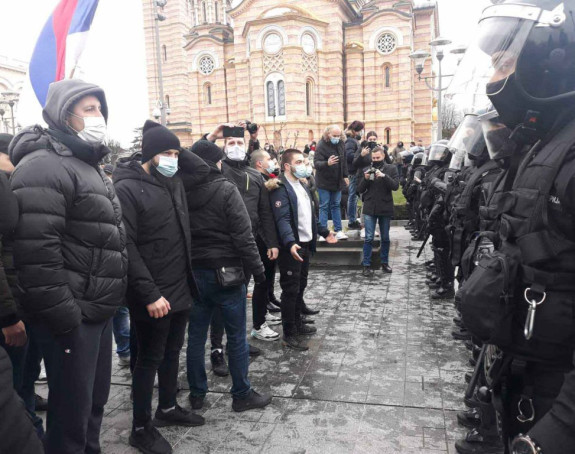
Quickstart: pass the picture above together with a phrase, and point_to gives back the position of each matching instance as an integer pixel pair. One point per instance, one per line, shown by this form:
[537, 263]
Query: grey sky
[115, 57]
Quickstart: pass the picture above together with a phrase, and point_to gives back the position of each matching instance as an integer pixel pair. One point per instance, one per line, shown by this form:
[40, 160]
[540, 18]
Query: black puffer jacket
[220, 225]
[255, 195]
[377, 195]
[156, 217]
[17, 434]
[8, 221]
[351, 148]
[329, 177]
[70, 243]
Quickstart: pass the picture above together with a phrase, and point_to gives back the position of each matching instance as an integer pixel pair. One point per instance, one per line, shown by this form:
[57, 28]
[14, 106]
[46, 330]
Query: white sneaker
[265, 333]
[320, 239]
[362, 233]
[377, 233]
[341, 236]
[272, 319]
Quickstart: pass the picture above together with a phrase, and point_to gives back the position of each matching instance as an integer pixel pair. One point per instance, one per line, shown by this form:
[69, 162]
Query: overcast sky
[115, 57]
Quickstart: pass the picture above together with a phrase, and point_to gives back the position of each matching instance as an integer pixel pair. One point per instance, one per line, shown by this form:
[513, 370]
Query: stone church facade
[292, 66]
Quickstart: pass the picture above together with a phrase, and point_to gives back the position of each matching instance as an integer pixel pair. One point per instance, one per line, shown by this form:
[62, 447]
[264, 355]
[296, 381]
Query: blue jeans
[330, 202]
[121, 328]
[399, 169]
[370, 223]
[352, 200]
[232, 303]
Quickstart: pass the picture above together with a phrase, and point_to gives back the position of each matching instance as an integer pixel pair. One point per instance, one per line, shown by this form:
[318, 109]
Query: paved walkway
[383, 375]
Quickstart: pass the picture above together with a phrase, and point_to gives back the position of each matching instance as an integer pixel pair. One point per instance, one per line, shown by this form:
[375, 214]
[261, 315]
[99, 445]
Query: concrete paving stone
[383, 375]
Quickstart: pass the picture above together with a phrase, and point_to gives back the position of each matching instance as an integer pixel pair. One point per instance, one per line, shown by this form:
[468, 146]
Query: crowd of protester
[163, 243]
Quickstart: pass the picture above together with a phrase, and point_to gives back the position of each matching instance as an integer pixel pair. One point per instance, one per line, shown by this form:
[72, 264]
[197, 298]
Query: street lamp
[158, 17]
[420, 56]
[2, 112]
[11, 98]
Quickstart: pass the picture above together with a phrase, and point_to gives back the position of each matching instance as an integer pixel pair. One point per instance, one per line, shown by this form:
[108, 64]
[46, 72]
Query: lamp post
[158, 17]
[11, 98]
[419, 57]
[2, 112]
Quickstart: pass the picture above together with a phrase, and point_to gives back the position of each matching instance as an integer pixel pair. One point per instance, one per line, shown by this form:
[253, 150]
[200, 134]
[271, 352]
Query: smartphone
[236, 131]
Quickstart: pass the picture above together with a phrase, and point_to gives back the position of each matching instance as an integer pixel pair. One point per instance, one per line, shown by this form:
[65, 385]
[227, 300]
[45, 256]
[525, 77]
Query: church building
[292, 66]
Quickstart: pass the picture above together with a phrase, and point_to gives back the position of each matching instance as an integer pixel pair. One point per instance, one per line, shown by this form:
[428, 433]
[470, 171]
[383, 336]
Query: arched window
[165, 52]
[309, 98]
[387, 76]
[205, 12]
[388, 136]
[208, 94]
[216, 6]
[281, 98]
[167, 101]
[271, 95]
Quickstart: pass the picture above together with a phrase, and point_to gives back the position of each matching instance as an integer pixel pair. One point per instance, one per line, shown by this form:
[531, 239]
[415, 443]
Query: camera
[252, 128]
[371, 172]
[372, 145]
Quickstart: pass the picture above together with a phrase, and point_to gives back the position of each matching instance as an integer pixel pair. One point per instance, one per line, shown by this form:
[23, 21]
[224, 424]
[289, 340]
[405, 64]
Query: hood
[273, 183]
[31, 139]
[132, 170]
[206, 189]
[62, 95]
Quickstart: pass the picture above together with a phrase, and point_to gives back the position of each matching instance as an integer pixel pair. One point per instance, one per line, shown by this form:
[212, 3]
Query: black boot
[292, 340]
[461, 334]
[304, 329]
[219, 365]
[469, 418]
[149, 441]
[367, 271]
[306, 310]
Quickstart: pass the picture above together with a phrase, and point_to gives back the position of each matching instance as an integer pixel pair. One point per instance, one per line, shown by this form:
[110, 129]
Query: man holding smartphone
[376, 187]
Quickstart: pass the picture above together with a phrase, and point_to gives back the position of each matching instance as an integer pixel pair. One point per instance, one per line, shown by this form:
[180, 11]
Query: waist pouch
[487, 297]
[230, 276]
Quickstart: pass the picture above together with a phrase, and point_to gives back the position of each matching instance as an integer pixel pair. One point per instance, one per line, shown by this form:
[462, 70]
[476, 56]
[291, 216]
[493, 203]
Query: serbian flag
[60, 44]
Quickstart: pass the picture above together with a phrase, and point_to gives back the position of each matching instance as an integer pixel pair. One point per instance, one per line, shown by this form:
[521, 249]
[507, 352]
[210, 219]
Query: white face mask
[94, 131]
[236, 153]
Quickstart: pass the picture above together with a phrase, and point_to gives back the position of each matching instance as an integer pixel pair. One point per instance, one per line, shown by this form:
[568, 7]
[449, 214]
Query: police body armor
[465, 216]
[520, 297]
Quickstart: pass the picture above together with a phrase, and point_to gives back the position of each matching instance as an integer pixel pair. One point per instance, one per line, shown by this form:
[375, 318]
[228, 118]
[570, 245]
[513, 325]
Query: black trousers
[159, 344]
[293, 281]
[79, 369]
[261, 296]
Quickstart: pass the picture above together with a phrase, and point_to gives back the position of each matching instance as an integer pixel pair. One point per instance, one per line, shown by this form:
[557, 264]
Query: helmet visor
[492, 58]
[457, 160]
[469, 136]
[438, 152]
[497, 136]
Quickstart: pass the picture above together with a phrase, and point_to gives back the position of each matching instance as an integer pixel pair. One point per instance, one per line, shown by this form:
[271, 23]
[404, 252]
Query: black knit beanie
[5, 140]
[208, 151]
[157, 139]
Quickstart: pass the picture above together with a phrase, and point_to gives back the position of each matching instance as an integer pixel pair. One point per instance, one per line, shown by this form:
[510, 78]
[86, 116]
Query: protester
[268, 168]
[298, 230]
[160, 280]
[397, 158]
[331, 176]
[352, 147]
[377, 188]
[250, 183]
[223, 246]
[70, 253]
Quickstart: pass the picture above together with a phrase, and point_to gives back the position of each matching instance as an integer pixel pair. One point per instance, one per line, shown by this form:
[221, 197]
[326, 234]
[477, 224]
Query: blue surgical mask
[271, 167]
[335, 140]
[299, 171]
[168, 166]
[308, 171]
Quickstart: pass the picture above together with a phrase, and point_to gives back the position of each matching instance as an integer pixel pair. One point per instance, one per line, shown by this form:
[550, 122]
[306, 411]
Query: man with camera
[376, 188]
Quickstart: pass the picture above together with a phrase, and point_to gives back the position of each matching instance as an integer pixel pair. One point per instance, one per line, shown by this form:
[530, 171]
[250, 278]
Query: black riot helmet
[439, 153]
[419, 159]
[467, 142]
[525, 58]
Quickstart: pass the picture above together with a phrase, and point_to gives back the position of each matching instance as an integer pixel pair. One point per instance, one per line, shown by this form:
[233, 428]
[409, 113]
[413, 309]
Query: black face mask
[507, 101]
[378, 164]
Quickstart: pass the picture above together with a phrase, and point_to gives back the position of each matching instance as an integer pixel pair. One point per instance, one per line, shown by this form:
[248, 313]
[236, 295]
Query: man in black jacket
[331, 176]
[223, 247]
[71, 258]
[376, 188]
[352, 147]
[160, 280]
[298, 229]
[250, 183]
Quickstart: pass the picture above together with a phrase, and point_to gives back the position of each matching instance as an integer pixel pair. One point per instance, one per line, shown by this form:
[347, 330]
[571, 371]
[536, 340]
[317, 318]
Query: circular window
[386, 43]
[272, 43]
[206, 65]
[308, 43]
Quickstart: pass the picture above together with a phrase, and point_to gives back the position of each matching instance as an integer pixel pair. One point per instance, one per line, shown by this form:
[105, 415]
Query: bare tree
[451, 116]
[116, 151]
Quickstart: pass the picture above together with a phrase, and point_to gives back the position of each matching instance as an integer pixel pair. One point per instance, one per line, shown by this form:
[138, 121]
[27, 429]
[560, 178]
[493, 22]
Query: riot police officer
[520, 297]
